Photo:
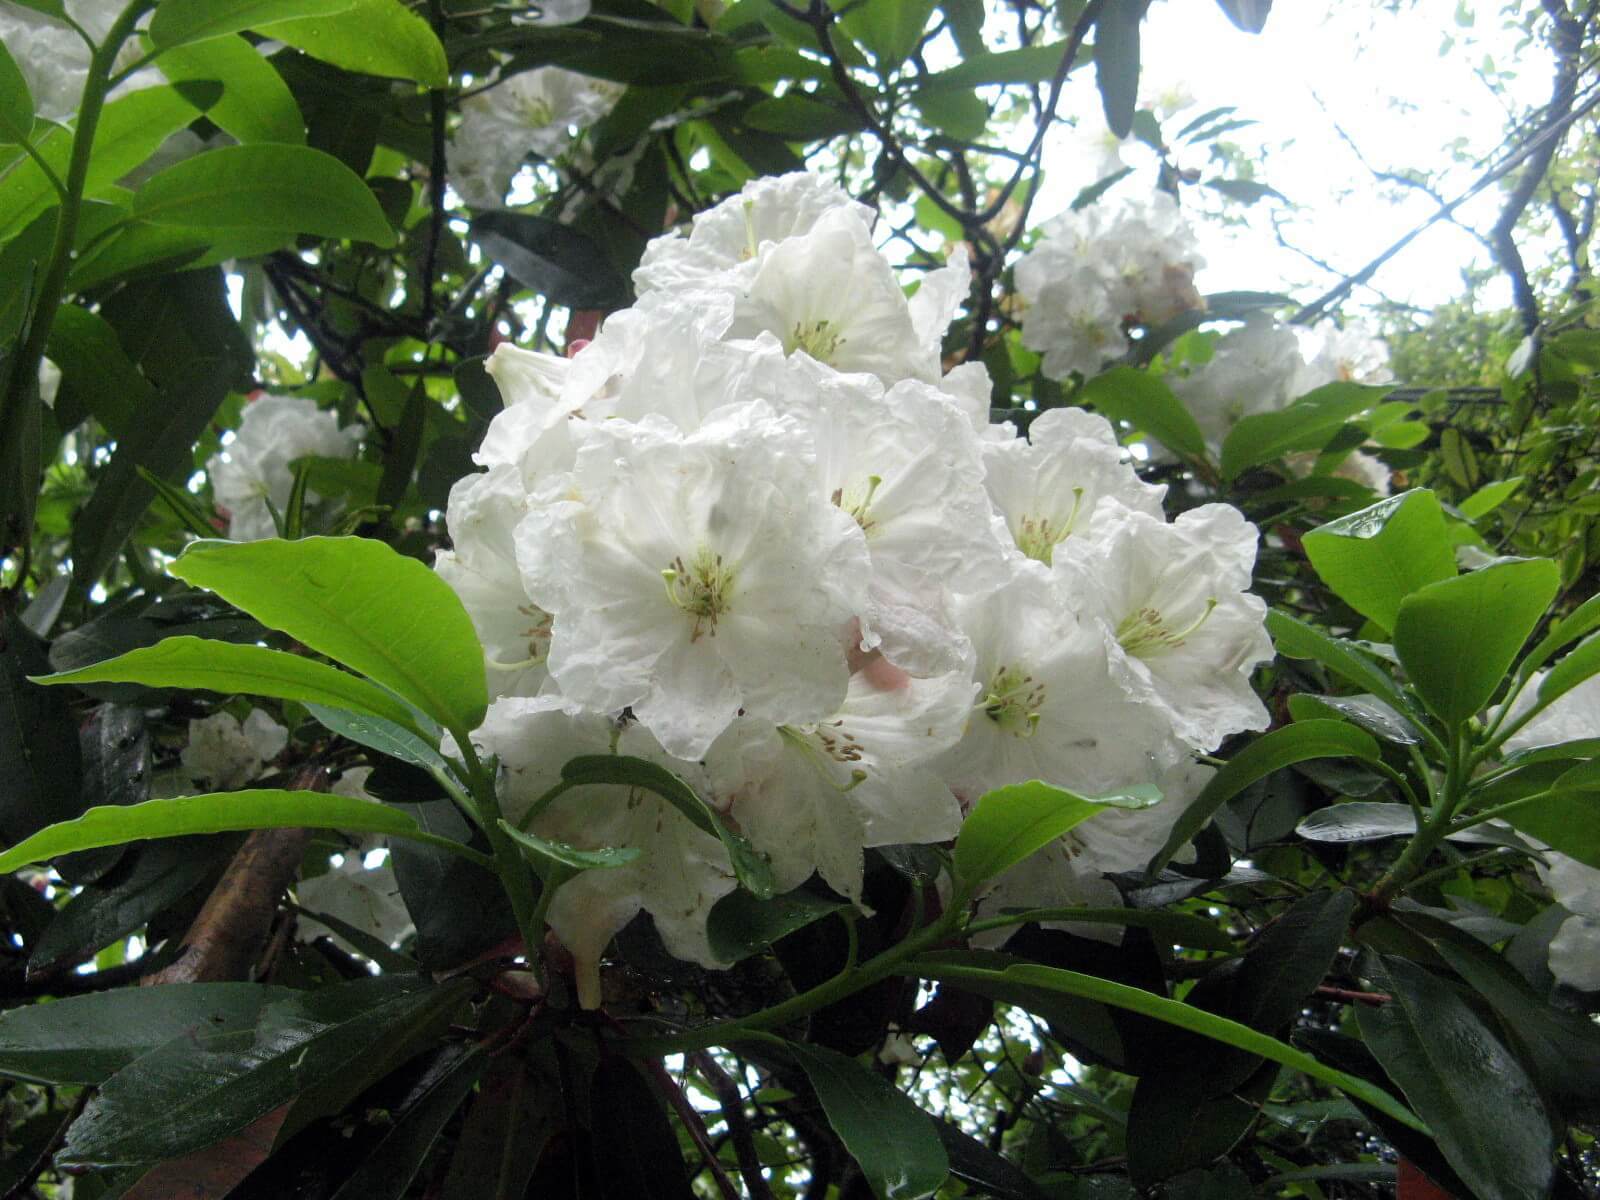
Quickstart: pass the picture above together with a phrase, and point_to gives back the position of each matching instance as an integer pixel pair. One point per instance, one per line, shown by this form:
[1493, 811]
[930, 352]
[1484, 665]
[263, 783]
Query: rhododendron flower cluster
[252, 476]
[754, 533]
[1096, 272]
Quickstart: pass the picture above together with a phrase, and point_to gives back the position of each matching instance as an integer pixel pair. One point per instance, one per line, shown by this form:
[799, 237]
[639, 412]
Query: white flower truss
[755, 533]
[251, 475]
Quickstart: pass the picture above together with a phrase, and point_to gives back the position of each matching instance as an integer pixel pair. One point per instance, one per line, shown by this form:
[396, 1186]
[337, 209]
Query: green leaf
[196, 1090]
[192, 662]
[802, 118]
[1485, 1113]
[1574, 669]
[85, 1039]
[386, 737]
[40, 760]
[97, 378]
[960, 114]
[1029, 64]
[1184, 1016]
[289, 189]
[892, 1140]
[1369, 712]
[256, 105]
[1271, 752]
[1375, 558]
[1296, 639]
[1011, 823]
[1489, 497]
[388, 1170]
[16, 101]
[1116, 61]
[131, 129]
[1181, 929]
[361, 604]
[1458, 638]
[552, 259]
[1577, 623]
[624, 1103]
[740, 925]
[1147, 403]
[890, 29]
[214, 812]
[178, 21]
[753, 870]
[1568, 819]
[372, 37]
[1307, 424]
[546, 855]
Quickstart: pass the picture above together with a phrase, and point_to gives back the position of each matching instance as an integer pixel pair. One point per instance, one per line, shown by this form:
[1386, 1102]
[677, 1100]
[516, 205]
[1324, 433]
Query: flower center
[537, 112]
[1145, 631]
[857, 501]
[817, 338]
[1014, 700]
[825, 745]
[750, 246]
[703, 589]
[1038, 537]
[538, 635]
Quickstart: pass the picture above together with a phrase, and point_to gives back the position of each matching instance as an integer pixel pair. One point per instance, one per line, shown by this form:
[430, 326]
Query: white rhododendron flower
[532, 112]
[1349, 355]
[224, 754]
[1169, 604]
[753, 532]
[1574, 715]
[1050, 484]
[694, 576]
[1253, 369]
[54, 60]
[251, 475]
[1574, 952]
[366, 898]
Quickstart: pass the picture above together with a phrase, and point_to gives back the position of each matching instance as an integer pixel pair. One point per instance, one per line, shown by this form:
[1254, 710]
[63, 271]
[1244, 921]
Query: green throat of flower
[1145, 631]
[703, 589]
[817, 338]
[858, 501]
[536, 114]
[1013, 701]
[826, 746]
[1038, 537]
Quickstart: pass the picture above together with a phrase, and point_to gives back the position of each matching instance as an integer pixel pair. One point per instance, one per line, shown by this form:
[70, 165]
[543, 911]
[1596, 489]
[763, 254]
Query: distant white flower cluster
[533, 112]
[1098, 271]
[753, 532]
[54, 60]
[251, 476]
[223, 753]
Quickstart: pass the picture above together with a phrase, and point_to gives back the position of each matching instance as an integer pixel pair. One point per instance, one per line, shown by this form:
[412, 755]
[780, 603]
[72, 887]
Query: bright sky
[1378, 75]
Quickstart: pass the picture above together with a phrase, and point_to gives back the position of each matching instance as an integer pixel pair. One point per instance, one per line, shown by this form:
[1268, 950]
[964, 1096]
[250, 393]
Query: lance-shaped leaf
[363, 605]
[1010, 823]
[547, 855]
[226, 667]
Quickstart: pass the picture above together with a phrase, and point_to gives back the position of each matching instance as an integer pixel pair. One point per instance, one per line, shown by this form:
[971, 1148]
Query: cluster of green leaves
[1338, 958]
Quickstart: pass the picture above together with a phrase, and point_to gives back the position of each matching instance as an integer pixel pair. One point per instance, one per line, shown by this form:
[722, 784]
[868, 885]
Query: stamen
[1038, 537]
[1144, 631]
[703, 591]
[1013, 701]
[857, 508]
[750, 246]
[816, 338]
[840, 748]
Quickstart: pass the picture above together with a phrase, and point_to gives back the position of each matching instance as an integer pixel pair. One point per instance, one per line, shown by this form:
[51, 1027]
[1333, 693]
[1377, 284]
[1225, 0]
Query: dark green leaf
[754, 872]
[1568, 818]
[1296, 639]
[97, 378]
[1485, 1112]
[547, 856]
[85, 1039]
[1375, 558]
[386, 737]
[1178, 1121]
[552, 259]
[960, 114]
[39, 756]
[1458, 638]
[1271, 752]
[16, 101]
[1373, 715]
[361, 604]
[892, 1140]
[204, 663]
[1011, 823]
[372, 37]
[265, 186]
[1146, 403]
[1116, 61]
[1581, 664]
[459, 908]
[982, 1169]
[178, 21]
[740, 925]
[801, 118]
[626, 1112]
[506, 1129]
[1307, 424]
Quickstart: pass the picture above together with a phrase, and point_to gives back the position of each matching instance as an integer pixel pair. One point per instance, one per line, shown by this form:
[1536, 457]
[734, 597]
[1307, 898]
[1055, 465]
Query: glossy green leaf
[1297, 639]
[16, 101]
[371, 37]
[547, 855]
[892, 1140]
[740, 925]
[1184, 1016]
[361, 604]
[204, 663]
[131, 129]
[753, 870]
[1568, 818]
[1375, 558]
[1307, 424]
[386, 737]
[256, 104]
[1300, 742]
[1489, 497]
[1116, 61]
[289, 189]
[195, 1090]
[1181, 929]
[1458, 638]
[1369, 712]
[1369, 821]
[214, 812]
[85, 1039]
[1010, 823]
[1146, 403]
[1580, 621]
[178, 21]
[1484, 1111]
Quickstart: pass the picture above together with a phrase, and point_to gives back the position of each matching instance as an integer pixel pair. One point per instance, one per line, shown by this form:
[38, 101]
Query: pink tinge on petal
[884, 675]
[575, 345]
